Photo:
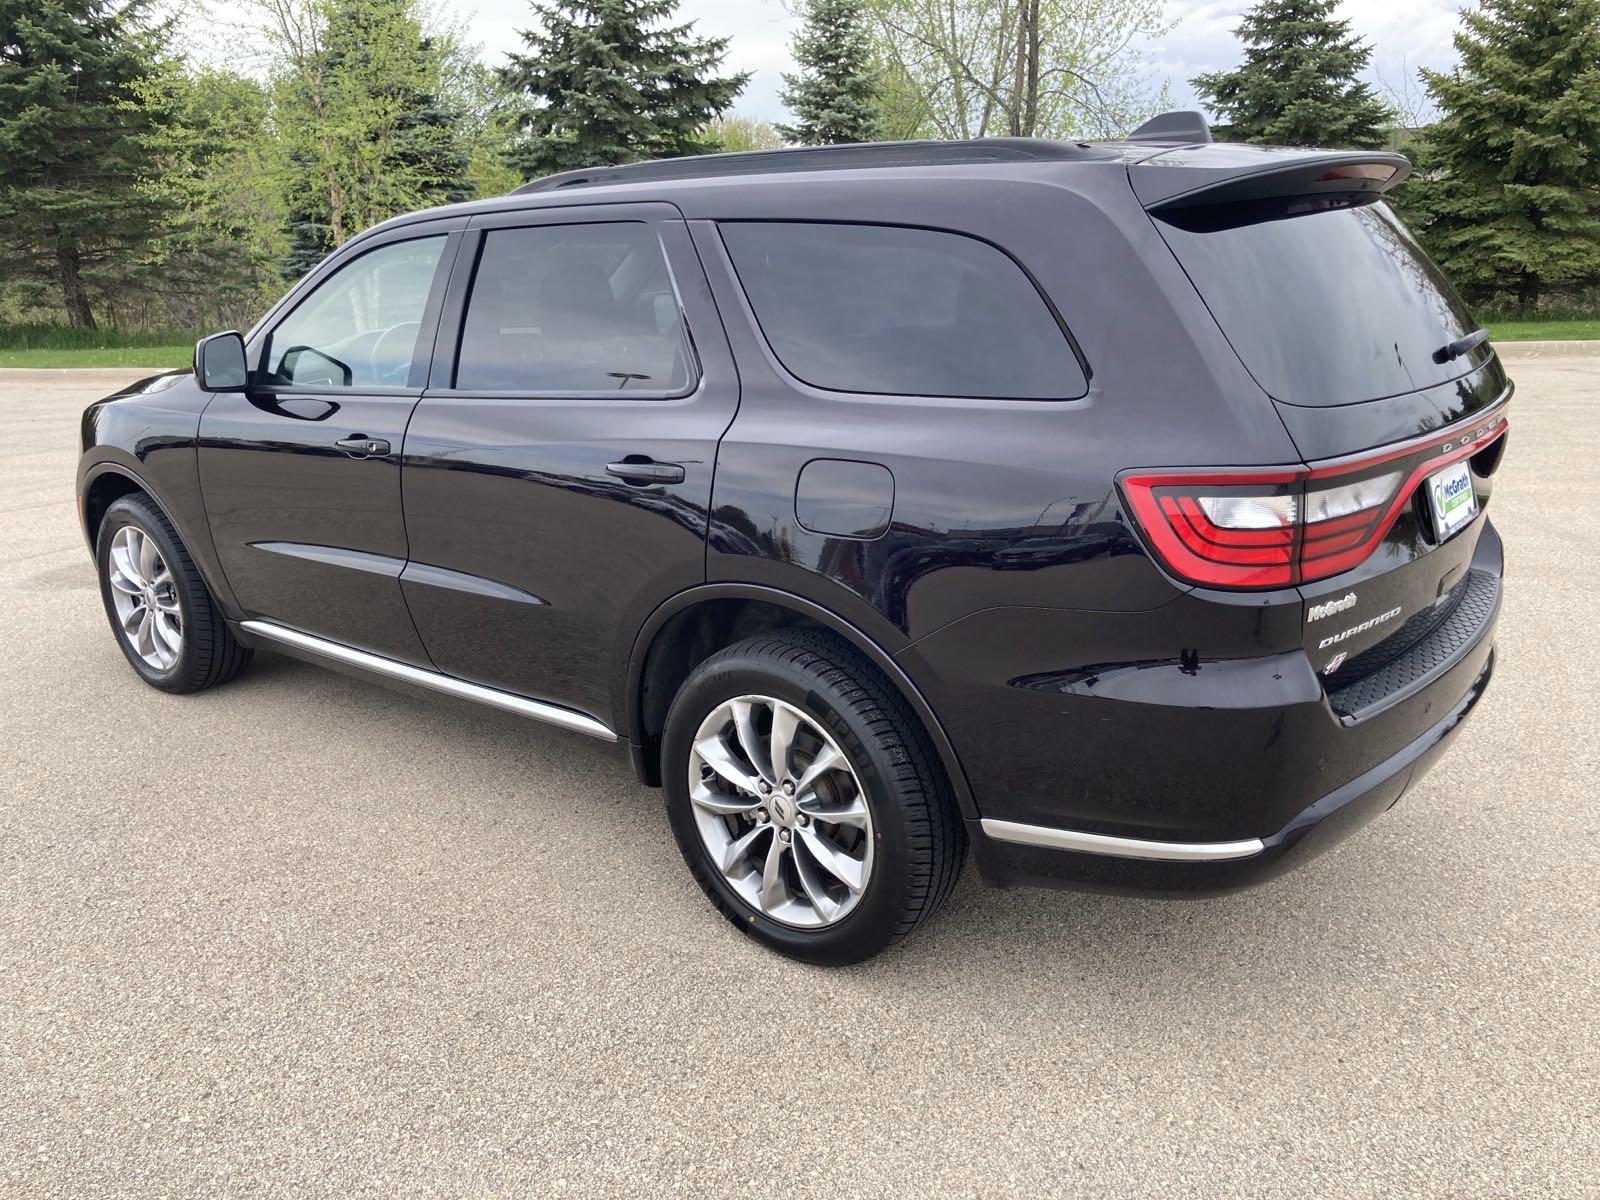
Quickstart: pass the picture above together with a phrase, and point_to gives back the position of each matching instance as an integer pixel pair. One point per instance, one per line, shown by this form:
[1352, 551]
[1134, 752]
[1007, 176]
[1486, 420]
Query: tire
[206, 652]
[912, 849]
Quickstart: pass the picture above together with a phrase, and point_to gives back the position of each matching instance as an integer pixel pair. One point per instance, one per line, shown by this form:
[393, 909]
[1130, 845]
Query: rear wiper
[1461, 346]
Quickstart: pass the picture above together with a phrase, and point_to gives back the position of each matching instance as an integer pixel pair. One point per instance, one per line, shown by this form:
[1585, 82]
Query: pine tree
[609, 84]
[835, 97]
[1507, 194]
[72, 142]
[1297, 85]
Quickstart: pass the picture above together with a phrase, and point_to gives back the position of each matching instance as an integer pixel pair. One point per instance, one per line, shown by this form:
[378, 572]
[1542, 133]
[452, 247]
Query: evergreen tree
[305, 221]
[72, 142]
[607, 83]
[1297, 85]
[1507, 195]
[835, 97]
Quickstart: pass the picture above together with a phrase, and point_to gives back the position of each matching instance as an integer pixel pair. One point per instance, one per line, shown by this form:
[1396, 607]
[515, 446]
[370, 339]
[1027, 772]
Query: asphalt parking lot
[303, 935]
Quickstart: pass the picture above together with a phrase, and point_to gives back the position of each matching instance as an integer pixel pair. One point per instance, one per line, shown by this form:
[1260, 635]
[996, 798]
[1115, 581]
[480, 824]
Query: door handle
[359, 445]
[646, 472]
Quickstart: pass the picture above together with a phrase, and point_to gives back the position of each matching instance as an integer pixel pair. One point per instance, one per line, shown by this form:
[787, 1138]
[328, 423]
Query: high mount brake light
[1278, 526]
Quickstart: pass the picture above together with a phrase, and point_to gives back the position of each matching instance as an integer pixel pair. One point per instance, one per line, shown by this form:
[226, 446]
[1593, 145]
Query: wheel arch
[686, 629]
[103, 486]
[105, 482]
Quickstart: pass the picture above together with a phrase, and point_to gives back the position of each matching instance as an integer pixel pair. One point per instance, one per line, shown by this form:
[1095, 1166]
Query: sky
[1405, 35]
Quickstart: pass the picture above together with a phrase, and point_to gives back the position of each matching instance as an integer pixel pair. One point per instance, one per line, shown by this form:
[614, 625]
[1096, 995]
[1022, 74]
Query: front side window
[901, 311]
[360, 327]
[573, 308]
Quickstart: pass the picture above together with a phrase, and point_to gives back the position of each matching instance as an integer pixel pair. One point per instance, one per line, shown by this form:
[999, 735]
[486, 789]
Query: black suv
[1116, 508]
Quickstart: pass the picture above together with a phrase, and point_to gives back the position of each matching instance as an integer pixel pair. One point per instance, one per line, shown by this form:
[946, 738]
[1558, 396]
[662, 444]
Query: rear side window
[900, 311]
[573, 308]
[1325, 308]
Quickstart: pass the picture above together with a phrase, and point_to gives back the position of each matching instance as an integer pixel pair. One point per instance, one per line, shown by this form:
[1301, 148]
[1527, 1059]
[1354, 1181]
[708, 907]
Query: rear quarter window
[901, 311]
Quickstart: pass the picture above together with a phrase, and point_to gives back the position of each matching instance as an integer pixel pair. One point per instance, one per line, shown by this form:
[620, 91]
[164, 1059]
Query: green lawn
[155, 357]
[1544, 331]
[55, 346]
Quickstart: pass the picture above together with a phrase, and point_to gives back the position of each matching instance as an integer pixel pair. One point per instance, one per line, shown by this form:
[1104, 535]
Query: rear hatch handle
[1461, 346]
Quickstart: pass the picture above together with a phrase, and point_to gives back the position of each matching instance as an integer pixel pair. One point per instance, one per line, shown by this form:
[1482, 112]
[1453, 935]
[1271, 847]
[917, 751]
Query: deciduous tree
[366, 131]
[1040, 68]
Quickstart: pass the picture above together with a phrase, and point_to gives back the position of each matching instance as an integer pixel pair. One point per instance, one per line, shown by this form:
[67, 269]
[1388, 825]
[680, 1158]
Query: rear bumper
[1011, 855]
[1190, 773]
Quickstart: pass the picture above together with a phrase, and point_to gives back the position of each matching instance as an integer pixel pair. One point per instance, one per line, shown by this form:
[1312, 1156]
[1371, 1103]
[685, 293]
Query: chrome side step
[537, 710]
[1120, 847]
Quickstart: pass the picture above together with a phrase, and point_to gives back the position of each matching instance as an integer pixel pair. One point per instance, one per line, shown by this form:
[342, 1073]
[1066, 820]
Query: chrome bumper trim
[536, 710]
[1120, 847]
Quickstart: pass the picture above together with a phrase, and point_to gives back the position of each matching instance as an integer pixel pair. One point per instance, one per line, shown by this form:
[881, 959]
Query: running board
[1120, 847]
[433, 681]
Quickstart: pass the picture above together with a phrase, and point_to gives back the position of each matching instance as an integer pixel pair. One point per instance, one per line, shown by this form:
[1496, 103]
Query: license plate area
[1451, 499]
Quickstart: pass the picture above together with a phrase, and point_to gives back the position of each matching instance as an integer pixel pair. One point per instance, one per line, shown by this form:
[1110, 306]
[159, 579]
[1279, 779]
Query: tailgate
[1392, 395]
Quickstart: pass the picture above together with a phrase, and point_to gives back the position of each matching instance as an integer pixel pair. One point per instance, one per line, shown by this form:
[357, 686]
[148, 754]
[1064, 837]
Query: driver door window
[359, 328]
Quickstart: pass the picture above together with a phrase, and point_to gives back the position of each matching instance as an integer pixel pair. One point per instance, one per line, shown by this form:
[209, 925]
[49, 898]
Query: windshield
[1325, 308]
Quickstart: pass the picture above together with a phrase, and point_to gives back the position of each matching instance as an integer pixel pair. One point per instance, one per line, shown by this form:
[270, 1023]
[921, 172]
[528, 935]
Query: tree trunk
[73, 294]
[1528, 295]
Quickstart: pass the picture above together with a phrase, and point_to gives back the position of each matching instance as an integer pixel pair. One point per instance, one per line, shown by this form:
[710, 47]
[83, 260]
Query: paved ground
[302, 935]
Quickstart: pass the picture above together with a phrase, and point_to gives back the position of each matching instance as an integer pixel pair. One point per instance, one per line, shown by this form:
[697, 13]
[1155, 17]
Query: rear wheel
[161, 612]
[806, 799]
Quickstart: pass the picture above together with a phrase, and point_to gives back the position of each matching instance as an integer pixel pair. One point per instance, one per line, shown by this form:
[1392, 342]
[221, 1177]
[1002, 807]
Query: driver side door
[301, 473]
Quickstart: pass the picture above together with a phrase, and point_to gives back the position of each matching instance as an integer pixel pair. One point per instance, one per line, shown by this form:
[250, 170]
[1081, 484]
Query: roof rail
[1177, 127]
[823, 158]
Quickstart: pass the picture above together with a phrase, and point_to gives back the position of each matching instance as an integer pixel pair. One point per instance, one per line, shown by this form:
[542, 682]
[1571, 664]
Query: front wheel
[163, 615]
[806, 798]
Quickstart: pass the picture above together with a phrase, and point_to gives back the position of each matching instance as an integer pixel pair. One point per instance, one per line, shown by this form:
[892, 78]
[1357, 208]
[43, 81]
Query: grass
[155, 357]
[1544, 331]
[55, 346]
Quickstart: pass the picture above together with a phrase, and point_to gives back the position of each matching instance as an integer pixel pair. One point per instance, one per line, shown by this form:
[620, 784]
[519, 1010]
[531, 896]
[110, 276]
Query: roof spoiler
[1223, 174]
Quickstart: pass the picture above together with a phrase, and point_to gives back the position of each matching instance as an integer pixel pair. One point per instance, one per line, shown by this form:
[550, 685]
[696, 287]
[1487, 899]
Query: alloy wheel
[781, 811]
[145, 595]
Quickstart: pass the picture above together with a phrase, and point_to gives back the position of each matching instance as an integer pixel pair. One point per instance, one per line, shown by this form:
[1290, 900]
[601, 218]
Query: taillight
[1278, 526]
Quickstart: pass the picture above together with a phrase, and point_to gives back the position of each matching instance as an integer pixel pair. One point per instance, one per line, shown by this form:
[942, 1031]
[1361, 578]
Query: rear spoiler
[1224, 174]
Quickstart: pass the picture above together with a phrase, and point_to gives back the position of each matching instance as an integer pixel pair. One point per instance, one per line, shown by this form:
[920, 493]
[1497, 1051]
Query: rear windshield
[1328, 307]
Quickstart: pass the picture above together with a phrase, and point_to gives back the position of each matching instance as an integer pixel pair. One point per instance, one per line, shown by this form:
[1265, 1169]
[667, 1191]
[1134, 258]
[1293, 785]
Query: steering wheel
[388, 372]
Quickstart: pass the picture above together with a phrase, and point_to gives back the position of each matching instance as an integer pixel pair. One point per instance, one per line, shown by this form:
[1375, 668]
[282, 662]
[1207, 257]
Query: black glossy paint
[976, 550]
[515, 490]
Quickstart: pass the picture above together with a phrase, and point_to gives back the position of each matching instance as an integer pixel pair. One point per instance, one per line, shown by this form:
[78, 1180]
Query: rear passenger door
[558, 469]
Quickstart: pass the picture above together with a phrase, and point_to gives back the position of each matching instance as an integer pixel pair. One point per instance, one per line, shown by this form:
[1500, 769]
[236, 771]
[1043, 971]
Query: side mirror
[219, 363]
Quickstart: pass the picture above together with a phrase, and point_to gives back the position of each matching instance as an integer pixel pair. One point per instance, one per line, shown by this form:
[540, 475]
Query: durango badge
[1361, 628]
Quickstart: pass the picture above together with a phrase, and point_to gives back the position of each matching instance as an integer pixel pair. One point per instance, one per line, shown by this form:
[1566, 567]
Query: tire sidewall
[876, 917]
[124, 513]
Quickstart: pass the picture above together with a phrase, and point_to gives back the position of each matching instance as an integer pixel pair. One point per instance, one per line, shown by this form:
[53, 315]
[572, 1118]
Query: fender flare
[633, 694]
[110, 466]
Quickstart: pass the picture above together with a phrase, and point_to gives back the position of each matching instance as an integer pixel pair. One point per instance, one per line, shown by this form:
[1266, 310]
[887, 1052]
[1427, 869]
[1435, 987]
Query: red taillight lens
[1278, 526]
[1214, 531]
